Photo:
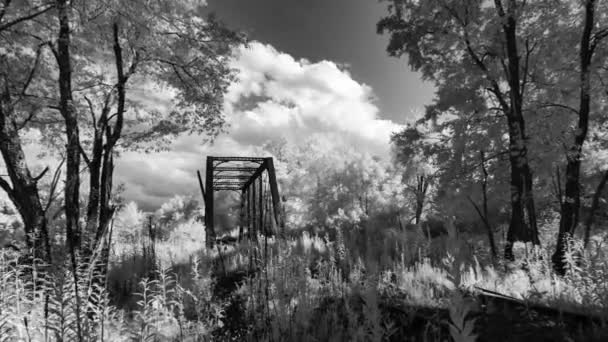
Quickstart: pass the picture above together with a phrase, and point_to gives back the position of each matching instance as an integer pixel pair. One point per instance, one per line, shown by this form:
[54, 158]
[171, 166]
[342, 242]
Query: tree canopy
[522, 83]
[95, 78]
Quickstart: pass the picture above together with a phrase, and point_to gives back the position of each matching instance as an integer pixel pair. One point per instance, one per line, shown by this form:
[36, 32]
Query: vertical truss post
[209, 229]
[248, 211]
[274, 190]
[242, 216]
[254, 211]
[261, 205]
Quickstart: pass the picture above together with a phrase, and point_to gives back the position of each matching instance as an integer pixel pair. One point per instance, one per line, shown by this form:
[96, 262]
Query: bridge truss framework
[254, 178]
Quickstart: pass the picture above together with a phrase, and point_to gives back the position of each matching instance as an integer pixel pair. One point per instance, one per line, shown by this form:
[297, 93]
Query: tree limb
[52, 194]
[120, 87]
[524, 80]
[30, 76]
[83, 153]
[92, 111]
[24, 18]
[6, 187]
[29, 118]
[597, 38]
[594, 205]
[557, 185]
[495, 88]
[37, 178]
[559, 105]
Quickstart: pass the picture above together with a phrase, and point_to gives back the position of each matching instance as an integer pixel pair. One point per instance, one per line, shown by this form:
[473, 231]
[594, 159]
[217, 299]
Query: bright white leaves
[276, 97]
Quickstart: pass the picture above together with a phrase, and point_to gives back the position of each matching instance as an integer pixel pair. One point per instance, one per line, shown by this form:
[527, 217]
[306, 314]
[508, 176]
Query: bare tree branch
[83, 153]
[92, 112]
[37, 178]
[30, 76]
[6, 187]
[558, 105]
[14, 22]
[52, 193]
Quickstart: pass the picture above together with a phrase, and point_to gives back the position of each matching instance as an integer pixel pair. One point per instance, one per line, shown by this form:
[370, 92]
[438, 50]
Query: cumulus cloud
[300, 98]
[276, 96]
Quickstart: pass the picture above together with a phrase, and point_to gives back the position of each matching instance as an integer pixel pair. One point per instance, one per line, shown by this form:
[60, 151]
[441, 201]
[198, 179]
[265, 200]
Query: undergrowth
[42, 307]
[305, 288]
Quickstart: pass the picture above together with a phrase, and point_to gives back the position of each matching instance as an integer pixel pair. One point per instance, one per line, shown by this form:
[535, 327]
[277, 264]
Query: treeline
[519, 123]
[74, 73]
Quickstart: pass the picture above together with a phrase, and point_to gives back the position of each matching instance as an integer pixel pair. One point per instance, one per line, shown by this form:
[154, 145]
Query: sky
[315, 70]
[341, 31]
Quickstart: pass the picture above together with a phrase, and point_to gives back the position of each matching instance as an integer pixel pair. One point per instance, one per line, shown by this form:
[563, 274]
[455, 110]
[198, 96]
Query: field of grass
[400, 286]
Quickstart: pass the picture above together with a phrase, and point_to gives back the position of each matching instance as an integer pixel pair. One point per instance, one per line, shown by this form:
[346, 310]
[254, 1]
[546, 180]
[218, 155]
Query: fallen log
[568, 316]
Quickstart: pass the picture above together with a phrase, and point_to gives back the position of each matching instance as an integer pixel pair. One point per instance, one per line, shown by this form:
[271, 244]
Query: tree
[591, 37]
[594, 204]
[18, 69]
[409, 151]
[483, 212]
[328, 183]
[458, 164]
[83, 62]
[483, 57]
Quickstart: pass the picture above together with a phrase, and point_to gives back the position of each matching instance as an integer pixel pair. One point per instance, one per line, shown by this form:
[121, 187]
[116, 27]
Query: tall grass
[37, 308]
[349, 285]
[344, 299]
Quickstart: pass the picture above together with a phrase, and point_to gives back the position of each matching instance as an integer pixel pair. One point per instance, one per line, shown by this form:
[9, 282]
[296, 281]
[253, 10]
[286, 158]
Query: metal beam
[245, 177]
[245, 159]
[256, 174]
[209, 228]
[200, 184]
[222, 188]
[226, 188]
[235, 168]
[261, 228]
[248, 209]
[242, 216]
[274, 191]
[228, 183]
[254, 215]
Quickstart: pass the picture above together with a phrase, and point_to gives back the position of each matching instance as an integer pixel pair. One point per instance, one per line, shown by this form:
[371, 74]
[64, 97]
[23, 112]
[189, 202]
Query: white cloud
[276, 96]
[301, 98]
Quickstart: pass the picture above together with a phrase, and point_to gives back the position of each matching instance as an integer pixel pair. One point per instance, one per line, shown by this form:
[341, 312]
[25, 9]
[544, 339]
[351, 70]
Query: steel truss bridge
[255, 180]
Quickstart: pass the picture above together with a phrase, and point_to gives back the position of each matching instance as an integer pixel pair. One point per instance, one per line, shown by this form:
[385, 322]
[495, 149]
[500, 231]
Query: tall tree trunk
[521, 228]
[422, 185]
[24, 192]
[101, 168]
[23, 187]
[483, 213]
[72, 181]
[571, 206]
[101, 164]
[68, 111]
[522, 199]
[594, 204]
[94, 166]
[107, 209]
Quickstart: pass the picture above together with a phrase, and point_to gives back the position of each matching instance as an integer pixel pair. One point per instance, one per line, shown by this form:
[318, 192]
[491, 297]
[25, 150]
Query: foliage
[327, 188]
[487, 59]
[76, 74]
